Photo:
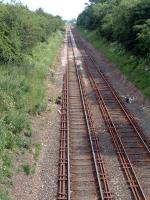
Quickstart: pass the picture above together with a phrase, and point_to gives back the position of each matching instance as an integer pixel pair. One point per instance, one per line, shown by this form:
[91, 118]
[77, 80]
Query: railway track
[132, 147]
[82, 173]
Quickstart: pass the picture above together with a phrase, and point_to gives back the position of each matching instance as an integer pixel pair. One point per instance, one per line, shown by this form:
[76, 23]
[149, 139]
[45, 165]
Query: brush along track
[81, 169]
[131, 145]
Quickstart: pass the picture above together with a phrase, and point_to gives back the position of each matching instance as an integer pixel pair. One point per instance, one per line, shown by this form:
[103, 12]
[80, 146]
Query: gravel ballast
[42, 185]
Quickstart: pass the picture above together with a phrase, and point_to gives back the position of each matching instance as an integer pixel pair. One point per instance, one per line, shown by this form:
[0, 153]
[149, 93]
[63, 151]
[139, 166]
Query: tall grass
[136, 69]
[22, 92]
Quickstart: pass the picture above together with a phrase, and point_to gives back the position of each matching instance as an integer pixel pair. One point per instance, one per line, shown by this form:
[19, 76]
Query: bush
[136, 69]
[124, 21]
[28, 45]
[22, 29]
[143, 37]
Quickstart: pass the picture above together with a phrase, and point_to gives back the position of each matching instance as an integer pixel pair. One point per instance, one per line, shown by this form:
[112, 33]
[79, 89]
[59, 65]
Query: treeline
[124, 21]
[22, 29]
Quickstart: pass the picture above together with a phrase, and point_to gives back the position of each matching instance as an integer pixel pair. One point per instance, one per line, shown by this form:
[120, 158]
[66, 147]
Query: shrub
[124, 21]
[22, 29]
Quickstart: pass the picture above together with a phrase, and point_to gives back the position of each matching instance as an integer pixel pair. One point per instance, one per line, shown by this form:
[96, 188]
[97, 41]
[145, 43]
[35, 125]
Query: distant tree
[94, 1]
[124, 21]
[72, 21]
[40, 11]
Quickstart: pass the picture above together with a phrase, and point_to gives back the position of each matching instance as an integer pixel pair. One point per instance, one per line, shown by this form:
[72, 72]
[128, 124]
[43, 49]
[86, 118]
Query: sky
[67, 9]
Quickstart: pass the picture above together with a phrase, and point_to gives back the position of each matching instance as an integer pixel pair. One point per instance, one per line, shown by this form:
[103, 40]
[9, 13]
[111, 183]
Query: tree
[124, 21]
[22, 29]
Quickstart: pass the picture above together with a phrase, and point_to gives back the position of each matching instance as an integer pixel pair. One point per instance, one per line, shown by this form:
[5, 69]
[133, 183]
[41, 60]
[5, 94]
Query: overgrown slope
[120, 29]
[124, 21]
[22, 29]
[29, 42]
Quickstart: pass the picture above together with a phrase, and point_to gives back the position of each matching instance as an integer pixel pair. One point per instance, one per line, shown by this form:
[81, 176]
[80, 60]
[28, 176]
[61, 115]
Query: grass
[137, 70]
[37, 151]
[27, 169]
[23, 92]
[3, 195]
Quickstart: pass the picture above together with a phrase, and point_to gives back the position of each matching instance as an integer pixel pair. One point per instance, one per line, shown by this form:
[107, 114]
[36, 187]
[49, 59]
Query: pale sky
[67, 9]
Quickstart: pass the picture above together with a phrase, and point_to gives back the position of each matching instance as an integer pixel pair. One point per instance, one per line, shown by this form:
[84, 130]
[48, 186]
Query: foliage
[3, 195]
[37, 151]
[125, 21]
[88, 19]
[143, 37]
[23, 91]
[22, 29]
[28, 45]
[136, 69]
[27, 169]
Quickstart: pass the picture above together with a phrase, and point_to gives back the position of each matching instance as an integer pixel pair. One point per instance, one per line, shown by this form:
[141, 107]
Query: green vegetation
[125, 21]
[120, 29]
[37, 151]
[22, 29]
[23, 92]
[137, 70]
[26, 169]
[4, 195]
[31, 168]
[29, 42]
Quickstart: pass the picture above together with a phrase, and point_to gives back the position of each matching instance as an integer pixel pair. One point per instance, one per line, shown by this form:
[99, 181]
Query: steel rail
[62, 170]
[126, 165]
[98, 161]
[128, 115]
[88, 127]
[81, 99]
[68, 127]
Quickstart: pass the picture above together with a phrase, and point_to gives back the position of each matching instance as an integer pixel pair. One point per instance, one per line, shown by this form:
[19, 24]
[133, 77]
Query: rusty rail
[62, 171]
[135, 187]
[64, 156]
[95, 146]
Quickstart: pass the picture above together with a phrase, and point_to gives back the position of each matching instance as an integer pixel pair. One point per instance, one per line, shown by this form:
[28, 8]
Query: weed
[23, 91]
[28, 131]
[5, 165]
[33, 168]
[26, 168]
[37, 151]
[3, 195]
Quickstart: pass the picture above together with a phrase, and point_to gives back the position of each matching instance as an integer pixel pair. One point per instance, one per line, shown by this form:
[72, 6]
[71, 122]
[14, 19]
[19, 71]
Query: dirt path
[42, 185]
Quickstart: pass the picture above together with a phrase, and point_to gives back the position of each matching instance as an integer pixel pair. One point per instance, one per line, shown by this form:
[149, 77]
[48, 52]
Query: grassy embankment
[136, 69]
[23, 92]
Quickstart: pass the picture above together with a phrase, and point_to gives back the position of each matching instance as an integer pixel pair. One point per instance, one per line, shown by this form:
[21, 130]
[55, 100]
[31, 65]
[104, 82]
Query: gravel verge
[42, 185]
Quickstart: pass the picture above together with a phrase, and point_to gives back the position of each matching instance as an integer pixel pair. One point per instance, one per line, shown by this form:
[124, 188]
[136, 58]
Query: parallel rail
[62, 171]
[80, 153]
[128, 138]
[75, 164]
[83, 182]
[98, 158]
